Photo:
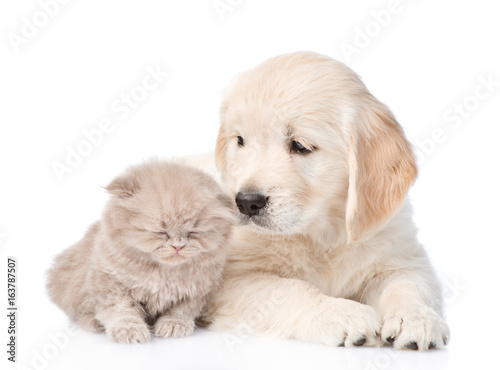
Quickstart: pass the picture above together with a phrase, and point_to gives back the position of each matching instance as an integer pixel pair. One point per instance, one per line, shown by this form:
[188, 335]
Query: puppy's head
[302, 140]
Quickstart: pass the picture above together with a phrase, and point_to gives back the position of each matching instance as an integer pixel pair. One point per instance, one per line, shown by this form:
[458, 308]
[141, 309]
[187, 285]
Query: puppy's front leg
[261, 303]
[410, 306]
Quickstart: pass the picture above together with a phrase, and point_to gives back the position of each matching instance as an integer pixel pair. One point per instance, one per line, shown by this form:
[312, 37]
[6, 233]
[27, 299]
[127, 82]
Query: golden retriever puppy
[319, 170]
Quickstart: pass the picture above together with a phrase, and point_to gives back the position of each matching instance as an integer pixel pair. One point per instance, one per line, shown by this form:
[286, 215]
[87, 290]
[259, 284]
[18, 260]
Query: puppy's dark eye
[241, 142]
[299, 148]
[192, 234]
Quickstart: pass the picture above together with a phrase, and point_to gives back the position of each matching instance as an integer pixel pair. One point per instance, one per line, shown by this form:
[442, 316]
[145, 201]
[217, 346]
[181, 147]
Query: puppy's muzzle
[251, 204]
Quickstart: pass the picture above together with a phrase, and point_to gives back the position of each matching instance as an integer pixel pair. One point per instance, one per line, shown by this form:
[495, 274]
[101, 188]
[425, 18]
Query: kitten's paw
[129, 333]
[90, 323]
[175, 328]
[348, 323]
[417, 328]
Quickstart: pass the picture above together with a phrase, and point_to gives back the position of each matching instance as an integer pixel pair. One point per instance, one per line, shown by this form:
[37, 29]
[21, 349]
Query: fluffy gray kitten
[153, 259]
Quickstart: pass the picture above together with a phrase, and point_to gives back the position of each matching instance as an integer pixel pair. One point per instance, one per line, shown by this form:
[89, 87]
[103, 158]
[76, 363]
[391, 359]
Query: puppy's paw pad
[350, 324]
[416, 328]
[173, 328]
[129, 334]
[359, 342]
[412, 346]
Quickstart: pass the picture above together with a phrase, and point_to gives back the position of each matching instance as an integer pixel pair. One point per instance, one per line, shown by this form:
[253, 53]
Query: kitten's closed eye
[162, 234]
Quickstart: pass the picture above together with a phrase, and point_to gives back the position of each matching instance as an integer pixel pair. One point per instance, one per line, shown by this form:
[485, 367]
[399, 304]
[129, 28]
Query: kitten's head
[169, 212]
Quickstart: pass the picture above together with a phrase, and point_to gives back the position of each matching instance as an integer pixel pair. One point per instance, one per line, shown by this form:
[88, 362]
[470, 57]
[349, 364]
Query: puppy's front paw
[348, 323]
[175, 328]
[129, 333]
[417, 328]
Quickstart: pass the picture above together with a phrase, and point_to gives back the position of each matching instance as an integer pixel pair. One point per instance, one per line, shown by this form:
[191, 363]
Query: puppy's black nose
[250, 203]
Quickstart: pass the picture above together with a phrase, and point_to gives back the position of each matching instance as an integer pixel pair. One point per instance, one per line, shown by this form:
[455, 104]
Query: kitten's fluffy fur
[129, 272]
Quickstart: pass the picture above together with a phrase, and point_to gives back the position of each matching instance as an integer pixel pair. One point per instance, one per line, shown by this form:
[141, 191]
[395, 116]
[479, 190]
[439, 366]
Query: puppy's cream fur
[336, 237]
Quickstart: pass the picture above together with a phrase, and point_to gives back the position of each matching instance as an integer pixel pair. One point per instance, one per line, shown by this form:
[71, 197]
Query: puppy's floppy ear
[381, 169]
[124, 186]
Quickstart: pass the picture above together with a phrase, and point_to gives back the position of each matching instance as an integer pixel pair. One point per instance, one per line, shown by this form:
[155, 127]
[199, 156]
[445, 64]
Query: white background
[426, 60]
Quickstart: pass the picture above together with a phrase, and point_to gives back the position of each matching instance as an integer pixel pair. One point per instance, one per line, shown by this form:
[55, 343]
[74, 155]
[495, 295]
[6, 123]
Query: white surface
[429, 57]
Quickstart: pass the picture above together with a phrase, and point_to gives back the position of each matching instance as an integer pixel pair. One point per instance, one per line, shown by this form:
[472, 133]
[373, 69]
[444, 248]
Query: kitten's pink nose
[178, 244]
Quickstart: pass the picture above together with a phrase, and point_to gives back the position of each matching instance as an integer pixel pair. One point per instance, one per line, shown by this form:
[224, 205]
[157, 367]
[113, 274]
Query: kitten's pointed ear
[381, 169]
[123, 186]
